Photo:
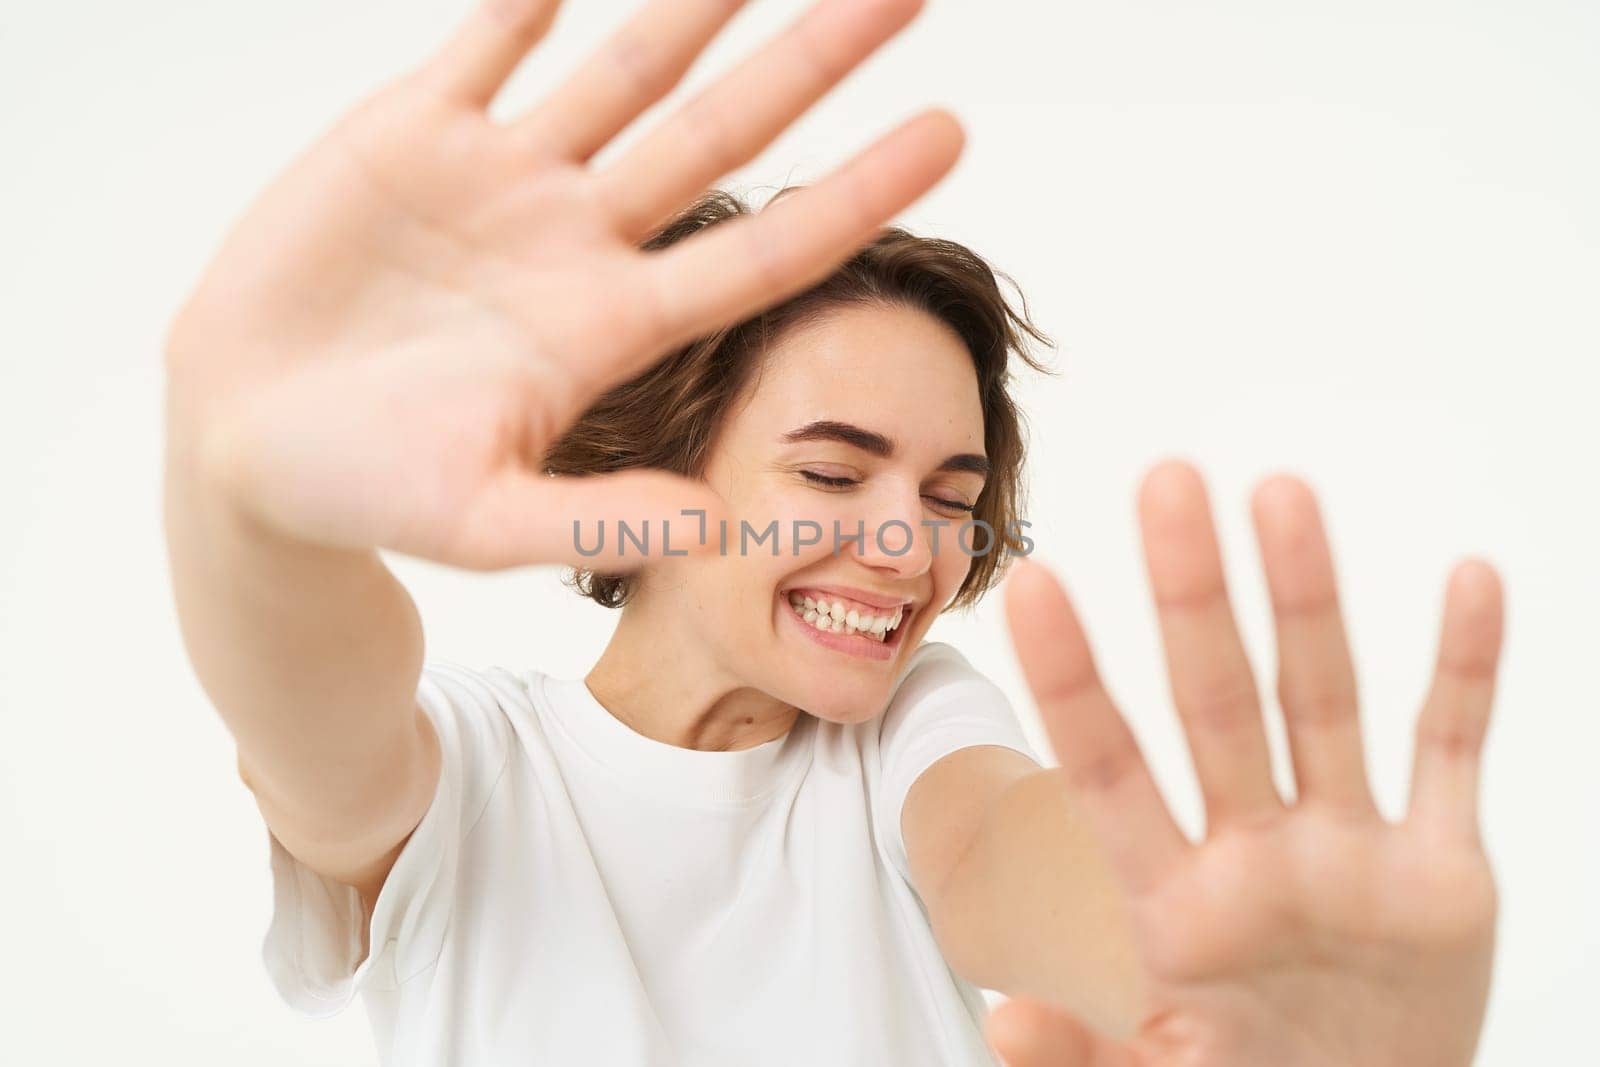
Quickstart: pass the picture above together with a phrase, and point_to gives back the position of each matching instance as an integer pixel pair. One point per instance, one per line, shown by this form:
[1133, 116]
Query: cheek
[950, 567]
[800, 513]
[712, 593]
[740, 594]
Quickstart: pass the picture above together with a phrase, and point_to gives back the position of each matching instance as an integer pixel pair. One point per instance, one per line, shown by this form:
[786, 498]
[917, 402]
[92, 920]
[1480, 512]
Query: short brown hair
[668, 417]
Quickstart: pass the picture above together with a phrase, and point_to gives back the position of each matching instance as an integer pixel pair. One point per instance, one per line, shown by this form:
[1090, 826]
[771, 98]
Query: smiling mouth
[833, 617]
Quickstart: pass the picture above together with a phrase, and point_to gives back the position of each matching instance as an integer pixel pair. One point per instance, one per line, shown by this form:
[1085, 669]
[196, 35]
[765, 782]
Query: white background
[1358, 241]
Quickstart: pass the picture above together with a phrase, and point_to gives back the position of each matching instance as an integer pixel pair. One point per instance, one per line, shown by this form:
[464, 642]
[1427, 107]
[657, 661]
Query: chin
[843, 700]
[847, 714]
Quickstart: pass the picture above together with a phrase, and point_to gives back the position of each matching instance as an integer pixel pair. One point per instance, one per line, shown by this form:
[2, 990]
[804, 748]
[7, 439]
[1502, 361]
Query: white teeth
[833, 617]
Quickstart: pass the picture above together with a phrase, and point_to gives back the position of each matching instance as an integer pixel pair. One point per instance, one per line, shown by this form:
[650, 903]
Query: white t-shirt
[580, 894]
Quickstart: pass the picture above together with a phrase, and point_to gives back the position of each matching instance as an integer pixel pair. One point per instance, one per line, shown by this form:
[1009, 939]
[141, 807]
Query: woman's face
[902, 384]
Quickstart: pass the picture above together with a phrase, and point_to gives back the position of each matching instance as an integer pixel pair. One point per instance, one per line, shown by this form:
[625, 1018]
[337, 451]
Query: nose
[893, 538]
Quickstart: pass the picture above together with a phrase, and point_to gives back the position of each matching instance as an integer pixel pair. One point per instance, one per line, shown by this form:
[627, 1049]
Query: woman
[748, 835]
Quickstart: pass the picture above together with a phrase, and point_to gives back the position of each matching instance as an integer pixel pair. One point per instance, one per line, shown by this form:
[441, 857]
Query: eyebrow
[879, 445]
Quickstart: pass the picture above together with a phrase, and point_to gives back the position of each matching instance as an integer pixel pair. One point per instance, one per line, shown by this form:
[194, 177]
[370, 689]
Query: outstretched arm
[1308, 932]
[390, 339]
[1018, 890]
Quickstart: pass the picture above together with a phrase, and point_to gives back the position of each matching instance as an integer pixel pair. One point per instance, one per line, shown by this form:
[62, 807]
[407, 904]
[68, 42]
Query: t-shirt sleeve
[941, 705]
[312, 949]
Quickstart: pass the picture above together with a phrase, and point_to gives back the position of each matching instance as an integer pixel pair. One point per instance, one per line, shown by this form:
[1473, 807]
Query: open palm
[397, 330]
[1312, 933]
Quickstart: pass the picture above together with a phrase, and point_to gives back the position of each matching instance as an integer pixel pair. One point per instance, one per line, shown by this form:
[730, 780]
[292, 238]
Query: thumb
[605, 522]
[1031, 1033]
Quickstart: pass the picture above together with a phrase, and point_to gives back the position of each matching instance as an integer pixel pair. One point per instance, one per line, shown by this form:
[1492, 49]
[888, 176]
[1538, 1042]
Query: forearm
[1031, 909]
[310, 654]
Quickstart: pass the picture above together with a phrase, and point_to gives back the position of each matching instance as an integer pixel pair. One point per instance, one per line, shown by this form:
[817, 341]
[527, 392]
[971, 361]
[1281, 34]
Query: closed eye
[845, 483]
[823, 479]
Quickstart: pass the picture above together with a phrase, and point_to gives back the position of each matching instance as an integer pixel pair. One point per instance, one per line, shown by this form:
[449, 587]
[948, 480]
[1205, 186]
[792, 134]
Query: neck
[662, 683]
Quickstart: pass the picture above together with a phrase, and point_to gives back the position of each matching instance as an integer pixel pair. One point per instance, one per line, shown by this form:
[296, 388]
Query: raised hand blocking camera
[772, 824]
